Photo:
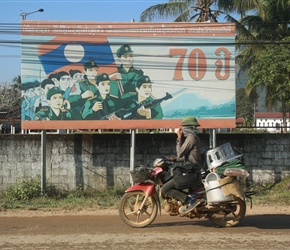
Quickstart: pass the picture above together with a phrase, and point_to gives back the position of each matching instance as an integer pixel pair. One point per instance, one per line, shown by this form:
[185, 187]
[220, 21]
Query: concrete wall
[99, 161]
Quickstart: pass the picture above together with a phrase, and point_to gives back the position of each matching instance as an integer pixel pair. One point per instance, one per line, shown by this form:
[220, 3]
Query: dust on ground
[254, 210]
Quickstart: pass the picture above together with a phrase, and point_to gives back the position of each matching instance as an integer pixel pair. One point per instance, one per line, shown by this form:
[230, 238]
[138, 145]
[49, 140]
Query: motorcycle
[220, 194]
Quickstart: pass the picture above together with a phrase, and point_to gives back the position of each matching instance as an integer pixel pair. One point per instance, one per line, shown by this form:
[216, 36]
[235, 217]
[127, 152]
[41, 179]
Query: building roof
[240, 120]
[273, 115]
[12, 115]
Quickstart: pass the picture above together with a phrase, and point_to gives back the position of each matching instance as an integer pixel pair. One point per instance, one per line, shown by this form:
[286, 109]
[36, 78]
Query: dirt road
[262, 228]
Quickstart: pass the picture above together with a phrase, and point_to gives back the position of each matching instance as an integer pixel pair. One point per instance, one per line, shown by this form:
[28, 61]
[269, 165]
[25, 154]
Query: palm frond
[164, 11]
[239, 6]
[183, 17]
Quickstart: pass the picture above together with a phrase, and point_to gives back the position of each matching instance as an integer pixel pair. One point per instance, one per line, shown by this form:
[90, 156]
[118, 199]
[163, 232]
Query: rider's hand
[171, 158]
[179, 133]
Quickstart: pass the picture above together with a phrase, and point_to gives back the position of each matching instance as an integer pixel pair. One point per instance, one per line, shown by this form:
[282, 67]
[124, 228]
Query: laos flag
[75, 54]
[58, 54]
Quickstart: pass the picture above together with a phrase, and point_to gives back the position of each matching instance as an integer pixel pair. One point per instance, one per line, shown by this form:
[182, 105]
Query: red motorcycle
[220, 195]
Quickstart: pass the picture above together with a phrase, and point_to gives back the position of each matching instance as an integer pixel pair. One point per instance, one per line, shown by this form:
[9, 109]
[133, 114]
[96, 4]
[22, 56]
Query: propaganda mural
[78, 75]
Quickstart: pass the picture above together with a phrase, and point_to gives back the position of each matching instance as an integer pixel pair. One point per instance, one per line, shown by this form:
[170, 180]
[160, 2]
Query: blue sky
[62, 10]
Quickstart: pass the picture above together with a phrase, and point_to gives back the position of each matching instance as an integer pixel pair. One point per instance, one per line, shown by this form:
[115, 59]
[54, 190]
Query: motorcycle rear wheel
[130, 213]
[230, 215]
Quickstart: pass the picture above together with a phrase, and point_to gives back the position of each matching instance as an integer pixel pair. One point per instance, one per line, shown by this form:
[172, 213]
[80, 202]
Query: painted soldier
[144, 105]
[28, 100]
[56, 110]
[127, 73]
[87, 87]
[104, 104]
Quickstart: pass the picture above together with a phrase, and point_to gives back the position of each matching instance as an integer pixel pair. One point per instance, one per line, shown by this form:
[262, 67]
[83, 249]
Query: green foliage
[25, 189]
[273, 193]
[28, 189]
[283, 185]
[26, 194]
[244, 106]
[265, 54]
[191, 10]
[272, 71]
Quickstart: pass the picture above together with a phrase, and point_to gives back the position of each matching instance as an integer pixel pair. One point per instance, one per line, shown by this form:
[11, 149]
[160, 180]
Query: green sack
[231, 164]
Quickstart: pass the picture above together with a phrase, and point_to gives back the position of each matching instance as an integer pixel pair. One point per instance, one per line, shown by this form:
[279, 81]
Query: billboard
[99, 75]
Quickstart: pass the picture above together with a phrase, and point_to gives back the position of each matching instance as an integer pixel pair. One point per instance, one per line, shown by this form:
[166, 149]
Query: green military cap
[124, 49]
[141, 80]
[102, 77]
[189, 121]
[90, 64]
[53, 91]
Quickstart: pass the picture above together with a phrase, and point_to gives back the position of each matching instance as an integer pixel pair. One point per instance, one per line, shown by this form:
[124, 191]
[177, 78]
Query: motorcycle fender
[147, 188]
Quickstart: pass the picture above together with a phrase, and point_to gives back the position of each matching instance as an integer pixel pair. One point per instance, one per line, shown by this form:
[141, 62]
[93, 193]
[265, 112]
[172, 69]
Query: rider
[188, 148]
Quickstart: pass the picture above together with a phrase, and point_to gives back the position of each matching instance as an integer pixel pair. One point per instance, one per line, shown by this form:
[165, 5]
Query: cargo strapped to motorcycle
[229, 186]
[141, 174]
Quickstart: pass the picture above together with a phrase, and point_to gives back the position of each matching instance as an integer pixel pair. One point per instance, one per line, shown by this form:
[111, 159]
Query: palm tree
[195, 10]
[16, 90]
[254, 31]
[260, 33]
[17, 82]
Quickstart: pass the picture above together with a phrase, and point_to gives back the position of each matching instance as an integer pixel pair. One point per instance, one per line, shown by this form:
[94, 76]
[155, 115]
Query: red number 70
[197, 63]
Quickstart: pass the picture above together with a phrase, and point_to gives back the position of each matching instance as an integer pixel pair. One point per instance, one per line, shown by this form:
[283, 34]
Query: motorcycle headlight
[158, 162]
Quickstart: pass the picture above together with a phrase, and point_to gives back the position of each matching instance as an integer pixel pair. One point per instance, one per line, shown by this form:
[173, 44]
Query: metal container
[214, 193]
[219, 155]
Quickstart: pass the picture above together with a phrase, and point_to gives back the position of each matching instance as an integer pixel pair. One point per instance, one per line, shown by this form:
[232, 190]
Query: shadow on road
[265, 221]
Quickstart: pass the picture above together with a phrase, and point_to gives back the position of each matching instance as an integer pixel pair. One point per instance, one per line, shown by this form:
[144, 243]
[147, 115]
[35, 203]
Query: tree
[17, 82]
[260, 36]
[245, 105]
[272, 71]
[195, 10]
[10, 95]
[268, 25]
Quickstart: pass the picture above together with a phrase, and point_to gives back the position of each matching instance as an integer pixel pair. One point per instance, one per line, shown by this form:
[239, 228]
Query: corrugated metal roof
[14, 115]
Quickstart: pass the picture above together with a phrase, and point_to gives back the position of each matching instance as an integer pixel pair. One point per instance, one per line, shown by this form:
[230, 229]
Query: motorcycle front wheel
[131, 212]
[230, 214]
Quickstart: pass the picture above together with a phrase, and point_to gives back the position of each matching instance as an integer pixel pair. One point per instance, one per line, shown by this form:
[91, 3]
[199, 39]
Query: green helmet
[189, 121]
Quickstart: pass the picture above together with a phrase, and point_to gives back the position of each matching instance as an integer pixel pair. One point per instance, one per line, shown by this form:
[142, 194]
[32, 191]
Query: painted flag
[76, 53]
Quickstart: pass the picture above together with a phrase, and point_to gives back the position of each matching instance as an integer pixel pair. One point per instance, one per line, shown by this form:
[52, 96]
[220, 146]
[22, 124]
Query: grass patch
[273, 193]
[26, 194]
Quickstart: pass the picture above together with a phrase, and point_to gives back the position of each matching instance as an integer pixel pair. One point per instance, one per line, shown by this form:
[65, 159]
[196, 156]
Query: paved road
[270, 231]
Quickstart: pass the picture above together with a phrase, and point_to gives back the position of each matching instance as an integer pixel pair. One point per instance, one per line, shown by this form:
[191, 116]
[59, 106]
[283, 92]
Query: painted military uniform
[27, 103]
[128, 77]
[47, 112]
[109, 102]
[130, 104]
[76, 101]
[109, 107]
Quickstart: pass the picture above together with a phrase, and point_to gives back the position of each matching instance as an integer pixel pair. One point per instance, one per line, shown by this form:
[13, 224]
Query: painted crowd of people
[91, 95]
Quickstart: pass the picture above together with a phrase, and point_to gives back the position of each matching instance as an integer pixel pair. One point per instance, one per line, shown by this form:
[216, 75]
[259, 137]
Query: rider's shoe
[191, 200]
